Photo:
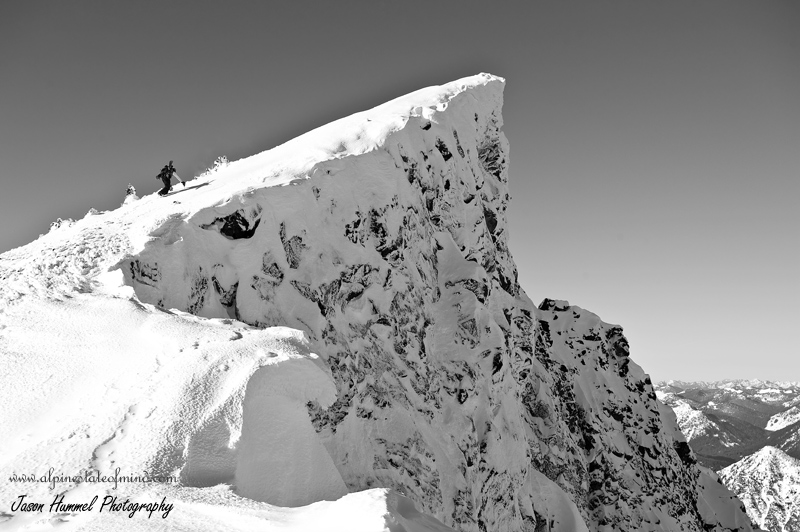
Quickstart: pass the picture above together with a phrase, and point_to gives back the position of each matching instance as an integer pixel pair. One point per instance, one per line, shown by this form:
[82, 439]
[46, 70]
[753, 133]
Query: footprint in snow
[104, 453]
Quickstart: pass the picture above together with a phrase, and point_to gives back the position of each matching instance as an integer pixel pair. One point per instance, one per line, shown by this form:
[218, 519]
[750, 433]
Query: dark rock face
[685, 453]
[238, 224]
[490, 413]
[144, 273]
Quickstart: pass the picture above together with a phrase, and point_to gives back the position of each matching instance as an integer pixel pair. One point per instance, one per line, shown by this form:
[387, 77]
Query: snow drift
[340, 313]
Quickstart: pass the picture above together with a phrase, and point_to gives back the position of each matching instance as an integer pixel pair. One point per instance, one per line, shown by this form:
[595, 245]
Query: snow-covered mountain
[336, 319]
[768, 482]
[693, 423]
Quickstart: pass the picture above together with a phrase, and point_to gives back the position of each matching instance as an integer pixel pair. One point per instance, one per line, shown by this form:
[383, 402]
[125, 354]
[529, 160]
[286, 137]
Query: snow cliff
[383, 238]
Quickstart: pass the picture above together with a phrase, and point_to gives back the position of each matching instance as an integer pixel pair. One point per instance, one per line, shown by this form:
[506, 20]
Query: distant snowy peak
[767, 458]
[693, 423]
[768, 483]
[784, 419]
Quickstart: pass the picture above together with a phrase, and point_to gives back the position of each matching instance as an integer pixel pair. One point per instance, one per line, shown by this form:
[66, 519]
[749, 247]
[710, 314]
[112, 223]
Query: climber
[166, 175]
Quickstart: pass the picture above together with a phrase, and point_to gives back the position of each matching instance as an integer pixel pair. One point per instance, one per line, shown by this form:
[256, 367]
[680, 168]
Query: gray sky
[655, 146]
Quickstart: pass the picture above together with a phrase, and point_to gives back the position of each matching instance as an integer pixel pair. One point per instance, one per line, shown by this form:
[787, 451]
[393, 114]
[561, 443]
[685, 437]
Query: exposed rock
[237, 225]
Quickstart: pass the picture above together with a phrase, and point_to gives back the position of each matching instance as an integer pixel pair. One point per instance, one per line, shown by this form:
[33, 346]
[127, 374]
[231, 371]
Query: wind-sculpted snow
[123, 389]
[383, 238]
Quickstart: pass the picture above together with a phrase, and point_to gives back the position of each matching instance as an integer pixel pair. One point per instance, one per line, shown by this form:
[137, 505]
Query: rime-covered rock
[383, 238]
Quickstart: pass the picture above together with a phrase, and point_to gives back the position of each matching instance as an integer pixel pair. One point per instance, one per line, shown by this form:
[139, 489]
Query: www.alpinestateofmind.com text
[92, 477]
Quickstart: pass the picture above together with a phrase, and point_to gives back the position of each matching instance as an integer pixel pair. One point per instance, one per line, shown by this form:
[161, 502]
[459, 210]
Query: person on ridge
[166, 176]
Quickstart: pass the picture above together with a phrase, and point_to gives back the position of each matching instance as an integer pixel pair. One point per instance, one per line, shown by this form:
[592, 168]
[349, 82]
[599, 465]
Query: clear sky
[655, 146]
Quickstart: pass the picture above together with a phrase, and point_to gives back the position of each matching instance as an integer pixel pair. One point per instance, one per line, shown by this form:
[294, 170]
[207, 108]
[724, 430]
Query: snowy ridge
[792, 402]
[693, 423]
[385, 328]
[784, 419]
[768, 483]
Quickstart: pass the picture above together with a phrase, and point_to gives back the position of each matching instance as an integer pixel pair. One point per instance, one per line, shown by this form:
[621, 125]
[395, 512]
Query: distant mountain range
[748, 431]
[728, 420]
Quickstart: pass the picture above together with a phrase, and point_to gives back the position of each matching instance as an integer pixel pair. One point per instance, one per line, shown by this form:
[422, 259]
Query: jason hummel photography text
[110, 503]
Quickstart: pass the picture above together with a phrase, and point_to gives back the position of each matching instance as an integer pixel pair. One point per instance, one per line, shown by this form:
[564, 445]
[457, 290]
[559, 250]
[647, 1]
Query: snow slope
[768, 482]
[338, 314]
